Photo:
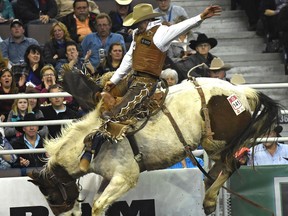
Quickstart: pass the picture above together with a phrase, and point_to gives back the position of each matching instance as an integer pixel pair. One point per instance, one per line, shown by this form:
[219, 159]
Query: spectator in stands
[30, 139]
[48, 77]
[269, 153]
[269, 10]
[55, 48]
[58, 110]
[36, 11]
[6, 11]
[8, 159]
[202, 45]
[34, 63]
[35, 106]
[8, 86]
[170, 75]
[20, 108]
[112, 60]
[66, 6]
[218, 69]
[74, 60]
[179, 49]
[123, 8]
[102, 39]
[283, 28]
[170, 11]
[251, 8]
[15, 46]
[81, 22]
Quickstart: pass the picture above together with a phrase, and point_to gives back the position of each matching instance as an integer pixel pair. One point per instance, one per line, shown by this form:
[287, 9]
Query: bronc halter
[64, 183]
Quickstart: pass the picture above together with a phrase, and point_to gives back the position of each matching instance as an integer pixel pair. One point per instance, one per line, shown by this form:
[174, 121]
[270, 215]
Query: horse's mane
[55, 145]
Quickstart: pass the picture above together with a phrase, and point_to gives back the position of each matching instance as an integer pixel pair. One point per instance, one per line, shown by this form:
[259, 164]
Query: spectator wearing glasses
[66, 6]
[202, 45]
[81, 22]
[102, 39]
[170, 11]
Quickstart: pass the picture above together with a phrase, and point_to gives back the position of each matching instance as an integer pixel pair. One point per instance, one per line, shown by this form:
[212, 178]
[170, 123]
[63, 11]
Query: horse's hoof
[209, 209]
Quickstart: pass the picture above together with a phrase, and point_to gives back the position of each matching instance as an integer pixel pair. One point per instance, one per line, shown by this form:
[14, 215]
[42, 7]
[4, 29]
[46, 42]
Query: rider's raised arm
[166, 34]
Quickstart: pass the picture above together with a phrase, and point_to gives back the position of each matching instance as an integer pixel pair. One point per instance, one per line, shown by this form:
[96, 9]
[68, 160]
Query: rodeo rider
[145, 57]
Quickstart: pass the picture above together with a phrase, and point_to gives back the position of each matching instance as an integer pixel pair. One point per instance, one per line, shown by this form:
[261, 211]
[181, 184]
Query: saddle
[116, 129]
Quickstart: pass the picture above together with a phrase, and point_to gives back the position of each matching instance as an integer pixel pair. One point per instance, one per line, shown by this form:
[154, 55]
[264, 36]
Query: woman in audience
[170, 76]
[54, 49]
[35, 106]
[48, 77]
[8, 86]
[33, 57]
[112, 60]
[20, 108]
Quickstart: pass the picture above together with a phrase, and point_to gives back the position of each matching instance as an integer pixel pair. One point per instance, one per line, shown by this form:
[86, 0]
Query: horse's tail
[264, 117]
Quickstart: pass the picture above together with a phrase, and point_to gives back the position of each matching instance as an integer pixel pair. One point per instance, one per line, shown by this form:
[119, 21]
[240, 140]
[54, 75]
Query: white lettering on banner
[165, 192]
[236, 104]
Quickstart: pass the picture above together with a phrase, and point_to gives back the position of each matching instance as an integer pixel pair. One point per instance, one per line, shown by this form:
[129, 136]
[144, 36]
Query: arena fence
[223, 209]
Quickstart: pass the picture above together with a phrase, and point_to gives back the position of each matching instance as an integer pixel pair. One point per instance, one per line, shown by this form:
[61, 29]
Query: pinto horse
[159, 144]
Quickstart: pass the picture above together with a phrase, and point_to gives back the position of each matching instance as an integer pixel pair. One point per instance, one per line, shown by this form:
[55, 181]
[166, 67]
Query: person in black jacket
[123, 8]
[30, 139]
[202, 45]
[36, 11]
[58, 110]
[81, 15]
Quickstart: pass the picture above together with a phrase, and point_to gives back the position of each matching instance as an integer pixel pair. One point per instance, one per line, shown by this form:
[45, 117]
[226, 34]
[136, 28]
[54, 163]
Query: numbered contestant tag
[236, 105]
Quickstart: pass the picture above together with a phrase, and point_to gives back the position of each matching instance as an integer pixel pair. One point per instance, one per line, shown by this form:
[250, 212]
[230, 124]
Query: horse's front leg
[117, 187]
[221, 173]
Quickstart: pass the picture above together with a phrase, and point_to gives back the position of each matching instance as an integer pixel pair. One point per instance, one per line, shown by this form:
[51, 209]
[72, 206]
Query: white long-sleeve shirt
[162, 39]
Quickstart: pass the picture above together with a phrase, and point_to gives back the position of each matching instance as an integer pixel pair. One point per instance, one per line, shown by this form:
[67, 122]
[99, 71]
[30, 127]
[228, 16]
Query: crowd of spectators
[269, 19]
[83, 37]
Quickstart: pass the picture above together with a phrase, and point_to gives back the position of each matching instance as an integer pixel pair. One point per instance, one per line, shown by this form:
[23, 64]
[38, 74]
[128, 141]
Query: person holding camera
[102, 39]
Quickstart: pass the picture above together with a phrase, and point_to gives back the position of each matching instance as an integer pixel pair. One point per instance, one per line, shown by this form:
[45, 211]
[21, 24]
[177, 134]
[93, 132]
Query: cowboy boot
[91, 144]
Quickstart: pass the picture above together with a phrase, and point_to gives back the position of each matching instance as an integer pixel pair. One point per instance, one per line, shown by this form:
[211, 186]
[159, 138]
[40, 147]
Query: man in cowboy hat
[218, 69]
[202, 45]
[146, 58]
[269, 152]
[30, 139]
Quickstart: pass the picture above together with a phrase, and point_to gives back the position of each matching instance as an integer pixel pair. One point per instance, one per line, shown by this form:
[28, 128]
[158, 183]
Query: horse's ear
[35, 177]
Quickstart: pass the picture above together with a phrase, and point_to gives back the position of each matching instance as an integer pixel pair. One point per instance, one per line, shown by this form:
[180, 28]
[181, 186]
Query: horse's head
[58, 187]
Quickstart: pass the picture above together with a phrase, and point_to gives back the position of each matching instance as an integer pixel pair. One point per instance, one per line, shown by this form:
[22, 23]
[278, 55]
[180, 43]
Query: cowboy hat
[123, 2]
[29, 117]
[218, 64]
[140, 12]
[202, 38]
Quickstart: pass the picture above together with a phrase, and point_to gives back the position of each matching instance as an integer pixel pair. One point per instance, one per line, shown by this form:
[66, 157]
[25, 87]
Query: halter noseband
[63, 188]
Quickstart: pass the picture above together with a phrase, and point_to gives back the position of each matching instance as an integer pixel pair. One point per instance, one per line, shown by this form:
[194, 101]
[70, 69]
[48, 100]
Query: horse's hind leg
[221, 173]
[118, 185]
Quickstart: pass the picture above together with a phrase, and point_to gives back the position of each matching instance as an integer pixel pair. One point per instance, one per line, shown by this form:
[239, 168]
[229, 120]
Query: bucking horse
[219, 116]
